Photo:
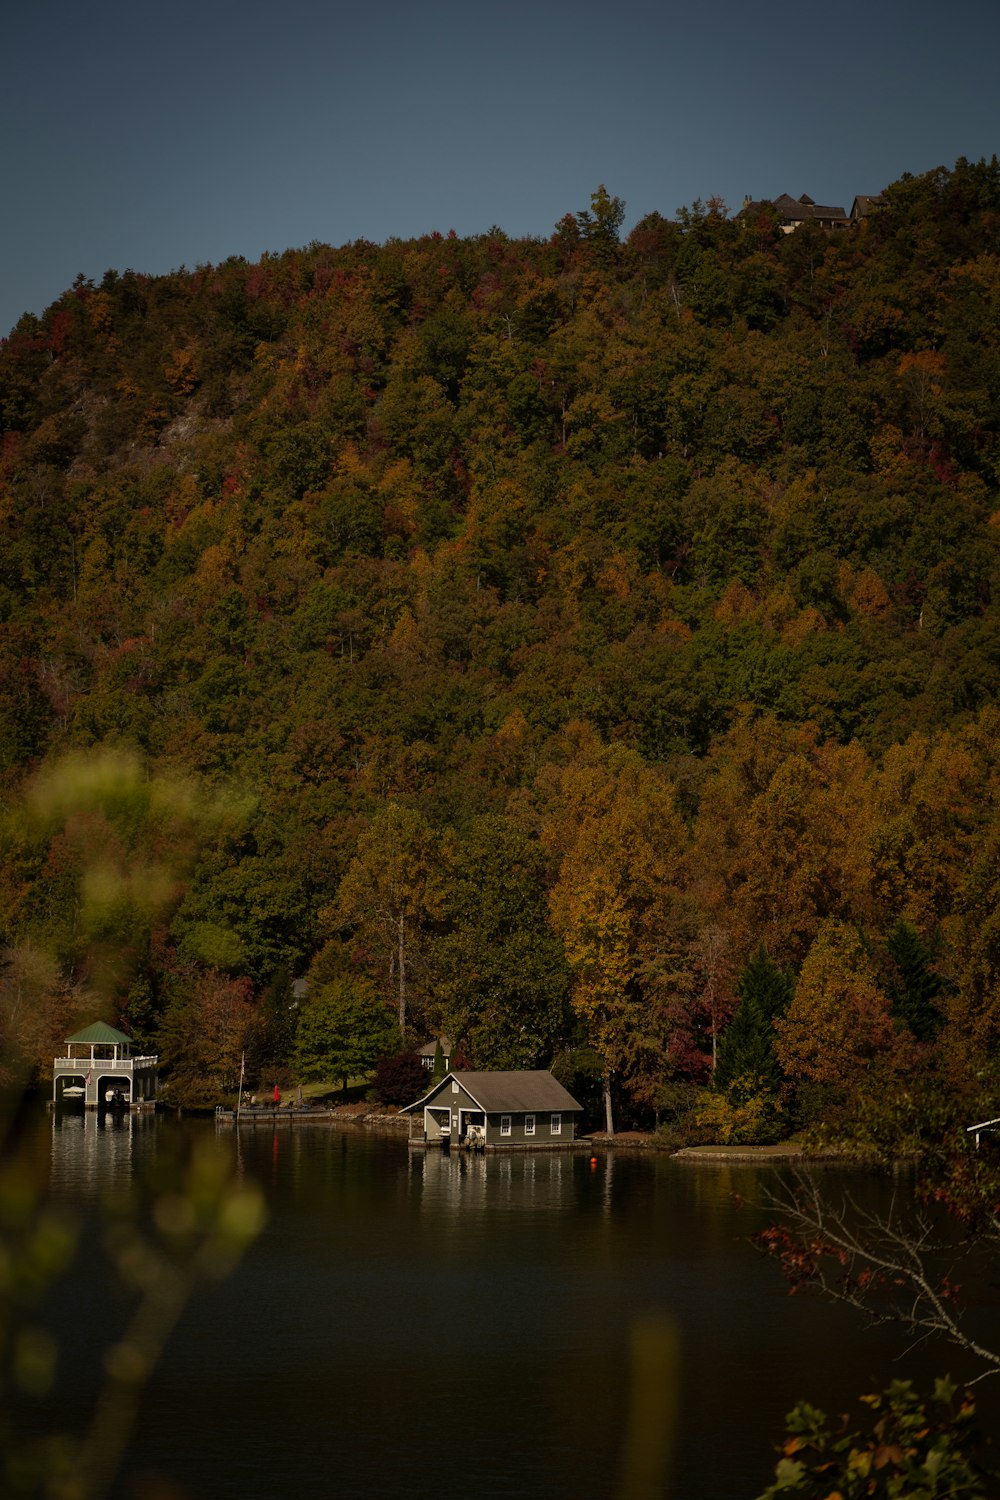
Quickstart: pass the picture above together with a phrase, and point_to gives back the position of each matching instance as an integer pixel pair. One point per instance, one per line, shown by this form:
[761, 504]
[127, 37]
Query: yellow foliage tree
[925, 804]
[614, 825]
[779, 842]
[839, 1020]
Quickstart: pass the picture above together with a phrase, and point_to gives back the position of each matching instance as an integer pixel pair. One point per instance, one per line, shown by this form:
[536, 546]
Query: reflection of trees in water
[161, 1238]
[92, 1151]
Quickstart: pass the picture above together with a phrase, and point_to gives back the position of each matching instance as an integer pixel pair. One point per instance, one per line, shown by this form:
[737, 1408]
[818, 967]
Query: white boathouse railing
[106, 1064]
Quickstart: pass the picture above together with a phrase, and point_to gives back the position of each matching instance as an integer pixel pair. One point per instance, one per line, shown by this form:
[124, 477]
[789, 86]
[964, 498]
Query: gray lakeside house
[494, 1111]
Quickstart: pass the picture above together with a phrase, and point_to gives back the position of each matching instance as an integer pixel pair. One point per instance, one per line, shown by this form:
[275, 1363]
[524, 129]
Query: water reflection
[93, 1151]
[470, 1183]
[495, 1294]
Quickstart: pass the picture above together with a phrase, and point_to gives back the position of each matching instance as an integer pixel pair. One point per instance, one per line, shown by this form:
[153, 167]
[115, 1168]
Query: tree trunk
[402, 976]
[608, 1116]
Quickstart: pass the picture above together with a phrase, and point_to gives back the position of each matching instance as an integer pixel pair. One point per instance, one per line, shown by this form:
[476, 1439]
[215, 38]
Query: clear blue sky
[153, 136]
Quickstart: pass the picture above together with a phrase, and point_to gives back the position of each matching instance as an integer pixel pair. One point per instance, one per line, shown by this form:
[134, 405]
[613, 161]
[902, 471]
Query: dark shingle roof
[806, 208]
[512, 1091]
[799, 209]
[429, 1048]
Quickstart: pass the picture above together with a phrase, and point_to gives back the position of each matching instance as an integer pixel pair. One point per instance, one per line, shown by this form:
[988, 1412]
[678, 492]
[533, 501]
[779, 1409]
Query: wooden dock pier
[259, 1114]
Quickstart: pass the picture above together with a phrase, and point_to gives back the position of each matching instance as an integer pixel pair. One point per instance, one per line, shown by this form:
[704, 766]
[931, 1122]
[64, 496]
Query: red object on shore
[277, 1094]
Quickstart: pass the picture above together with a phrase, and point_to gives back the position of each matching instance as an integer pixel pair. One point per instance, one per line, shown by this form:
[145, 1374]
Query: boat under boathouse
[102, 1069]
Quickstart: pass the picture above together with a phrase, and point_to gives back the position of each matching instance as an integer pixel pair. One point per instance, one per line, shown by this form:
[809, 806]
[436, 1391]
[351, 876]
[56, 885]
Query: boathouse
[102, 1068]
[492, 1111]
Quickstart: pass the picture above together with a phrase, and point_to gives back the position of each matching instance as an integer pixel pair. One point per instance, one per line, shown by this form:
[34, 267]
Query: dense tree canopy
[532, 629]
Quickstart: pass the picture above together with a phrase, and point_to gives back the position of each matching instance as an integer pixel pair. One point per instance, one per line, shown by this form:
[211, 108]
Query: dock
[259, 1114]
[419, 1143]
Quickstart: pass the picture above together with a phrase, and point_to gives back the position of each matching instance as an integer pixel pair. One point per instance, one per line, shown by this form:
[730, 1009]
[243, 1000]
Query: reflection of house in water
[478, 1183]
[93, 1152]
[102, 1070]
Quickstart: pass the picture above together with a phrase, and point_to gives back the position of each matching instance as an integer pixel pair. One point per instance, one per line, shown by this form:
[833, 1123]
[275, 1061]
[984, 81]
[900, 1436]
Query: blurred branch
[193, 1231]
[652, 1412]
[887, 1267]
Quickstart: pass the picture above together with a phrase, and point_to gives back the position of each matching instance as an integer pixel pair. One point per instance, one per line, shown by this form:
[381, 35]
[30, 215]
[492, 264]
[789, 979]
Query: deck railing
[106, 1064]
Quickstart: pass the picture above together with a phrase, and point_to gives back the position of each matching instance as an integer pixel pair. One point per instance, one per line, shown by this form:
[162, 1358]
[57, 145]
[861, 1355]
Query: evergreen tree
[747, 1047]
[601, 225]
[915, 989]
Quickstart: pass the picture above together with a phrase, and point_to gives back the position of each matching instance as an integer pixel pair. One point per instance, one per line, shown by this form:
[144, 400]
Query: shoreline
[789, 1151]
[598, 1141]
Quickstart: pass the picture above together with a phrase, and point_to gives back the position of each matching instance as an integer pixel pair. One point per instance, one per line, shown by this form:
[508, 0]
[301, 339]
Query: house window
[428, 1062]
[556, 1125]
[454, 1085]
[529, 1124]
[505, 1124]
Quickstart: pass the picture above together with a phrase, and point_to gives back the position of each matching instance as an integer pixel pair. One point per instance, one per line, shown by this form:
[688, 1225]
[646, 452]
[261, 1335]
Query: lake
[408, 1321]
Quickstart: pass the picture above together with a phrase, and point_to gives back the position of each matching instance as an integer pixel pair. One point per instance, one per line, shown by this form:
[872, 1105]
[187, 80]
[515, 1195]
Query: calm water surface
[405, 1317]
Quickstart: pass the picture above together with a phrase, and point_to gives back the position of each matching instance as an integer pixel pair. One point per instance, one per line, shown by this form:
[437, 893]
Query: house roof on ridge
[807, 208]
[798, 209]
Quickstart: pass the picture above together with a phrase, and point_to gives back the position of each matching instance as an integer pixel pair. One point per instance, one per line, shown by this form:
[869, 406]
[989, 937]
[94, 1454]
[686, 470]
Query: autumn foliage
[532, 634]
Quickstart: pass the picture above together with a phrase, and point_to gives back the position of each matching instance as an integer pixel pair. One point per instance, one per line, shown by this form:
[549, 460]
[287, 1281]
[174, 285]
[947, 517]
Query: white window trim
[555, 1125]
[529, 1124]
[505, 1124]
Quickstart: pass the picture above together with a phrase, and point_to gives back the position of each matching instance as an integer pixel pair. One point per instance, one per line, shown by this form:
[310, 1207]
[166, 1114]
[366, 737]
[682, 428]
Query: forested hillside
[587, 647]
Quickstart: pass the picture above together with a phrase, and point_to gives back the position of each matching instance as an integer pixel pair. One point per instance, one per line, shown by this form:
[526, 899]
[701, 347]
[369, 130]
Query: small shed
[102, 1067]
[493, 1111]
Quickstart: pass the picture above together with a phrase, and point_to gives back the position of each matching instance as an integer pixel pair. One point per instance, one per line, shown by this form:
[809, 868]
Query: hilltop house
[865, 205]
[793, 212]
[496, 1110]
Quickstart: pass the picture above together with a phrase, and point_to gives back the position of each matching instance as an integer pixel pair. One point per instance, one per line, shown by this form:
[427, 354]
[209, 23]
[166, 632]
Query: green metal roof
[101, 1035]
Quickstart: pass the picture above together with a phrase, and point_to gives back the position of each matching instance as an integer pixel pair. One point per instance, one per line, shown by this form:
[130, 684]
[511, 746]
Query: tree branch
[881, 1266]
